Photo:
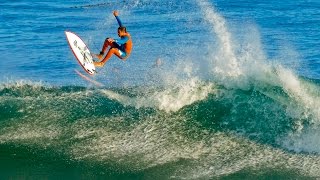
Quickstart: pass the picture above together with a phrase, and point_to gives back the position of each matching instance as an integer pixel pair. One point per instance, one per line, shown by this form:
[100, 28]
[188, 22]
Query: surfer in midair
[119, 47]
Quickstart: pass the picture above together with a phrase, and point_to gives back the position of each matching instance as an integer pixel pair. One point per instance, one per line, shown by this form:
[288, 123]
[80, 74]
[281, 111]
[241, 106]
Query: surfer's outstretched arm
[116, 15]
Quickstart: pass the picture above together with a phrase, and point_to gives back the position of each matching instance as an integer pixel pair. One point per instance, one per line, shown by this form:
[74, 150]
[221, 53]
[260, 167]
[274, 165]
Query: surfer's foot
[98, 64]
[99, 56]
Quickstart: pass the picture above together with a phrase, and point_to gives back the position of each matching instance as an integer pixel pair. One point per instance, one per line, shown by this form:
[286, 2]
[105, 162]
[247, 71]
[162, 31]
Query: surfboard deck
[81, 52]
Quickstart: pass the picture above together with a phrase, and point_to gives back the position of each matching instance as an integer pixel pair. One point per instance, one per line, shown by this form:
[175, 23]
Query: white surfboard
[81, 52]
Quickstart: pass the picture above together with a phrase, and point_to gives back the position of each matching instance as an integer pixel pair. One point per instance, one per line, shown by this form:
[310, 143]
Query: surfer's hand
[115, 13]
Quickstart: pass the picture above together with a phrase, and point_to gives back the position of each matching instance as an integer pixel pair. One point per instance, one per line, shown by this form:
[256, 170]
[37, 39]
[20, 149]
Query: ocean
[213, 89]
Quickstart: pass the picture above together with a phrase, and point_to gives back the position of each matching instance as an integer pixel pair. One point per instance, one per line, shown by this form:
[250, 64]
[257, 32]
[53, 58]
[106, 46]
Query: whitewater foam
[171, 99]
[297, 90]
[306, 141]
[253, 66]
[248, 67]
[226, 62]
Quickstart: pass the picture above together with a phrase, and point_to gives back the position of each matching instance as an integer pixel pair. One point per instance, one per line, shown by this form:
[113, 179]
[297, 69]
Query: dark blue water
[235, 93]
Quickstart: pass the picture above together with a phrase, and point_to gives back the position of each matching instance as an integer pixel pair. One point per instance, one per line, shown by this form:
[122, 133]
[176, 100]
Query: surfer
[119, 47]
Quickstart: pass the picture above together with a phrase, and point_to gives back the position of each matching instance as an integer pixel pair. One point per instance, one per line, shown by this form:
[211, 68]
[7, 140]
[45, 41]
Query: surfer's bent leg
[106, 44]
[112, 51]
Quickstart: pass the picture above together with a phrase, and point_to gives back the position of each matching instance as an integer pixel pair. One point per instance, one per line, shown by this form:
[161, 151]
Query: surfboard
[81, 52]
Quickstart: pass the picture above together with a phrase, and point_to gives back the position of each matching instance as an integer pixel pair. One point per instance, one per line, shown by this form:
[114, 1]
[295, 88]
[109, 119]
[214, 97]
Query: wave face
[224, 111]
[129, 132]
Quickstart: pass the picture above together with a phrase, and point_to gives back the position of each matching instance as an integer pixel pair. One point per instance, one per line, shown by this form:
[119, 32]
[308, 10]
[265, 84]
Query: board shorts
[122, 53]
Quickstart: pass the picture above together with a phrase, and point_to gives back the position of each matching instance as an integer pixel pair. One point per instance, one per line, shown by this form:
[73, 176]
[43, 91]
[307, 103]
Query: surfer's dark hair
[122, 28]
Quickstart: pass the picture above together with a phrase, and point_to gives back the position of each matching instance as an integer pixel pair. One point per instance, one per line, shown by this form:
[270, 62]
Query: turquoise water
[236, 94]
